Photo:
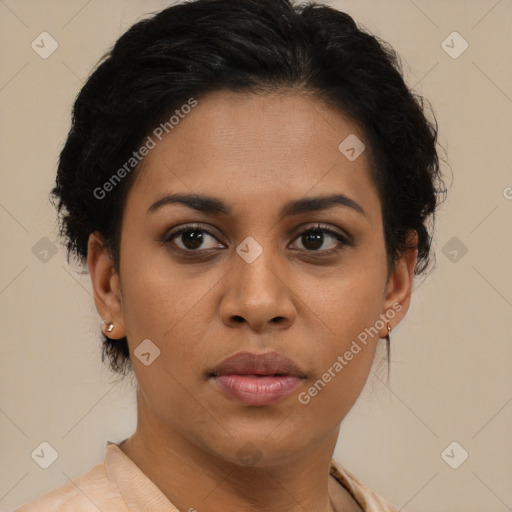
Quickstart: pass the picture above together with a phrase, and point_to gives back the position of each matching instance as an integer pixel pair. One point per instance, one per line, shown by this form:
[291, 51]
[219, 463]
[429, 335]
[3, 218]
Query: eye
[314, 238]
[191, 238]
[194, 238]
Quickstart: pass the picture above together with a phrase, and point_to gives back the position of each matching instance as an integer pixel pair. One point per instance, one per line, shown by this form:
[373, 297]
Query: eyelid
[319, 226]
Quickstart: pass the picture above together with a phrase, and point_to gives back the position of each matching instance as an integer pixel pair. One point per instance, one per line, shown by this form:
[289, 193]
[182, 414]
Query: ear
[399, 286]
[106, 285]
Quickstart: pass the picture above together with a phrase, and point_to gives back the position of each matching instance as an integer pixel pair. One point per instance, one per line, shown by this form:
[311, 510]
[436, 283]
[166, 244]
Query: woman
[251, 185]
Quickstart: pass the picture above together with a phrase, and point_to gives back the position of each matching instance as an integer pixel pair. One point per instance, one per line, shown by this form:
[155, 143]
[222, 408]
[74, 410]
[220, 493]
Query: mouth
[257, 379]
[256, 390]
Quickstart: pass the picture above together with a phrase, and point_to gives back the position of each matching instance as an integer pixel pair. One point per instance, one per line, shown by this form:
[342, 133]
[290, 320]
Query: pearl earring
[110, 326]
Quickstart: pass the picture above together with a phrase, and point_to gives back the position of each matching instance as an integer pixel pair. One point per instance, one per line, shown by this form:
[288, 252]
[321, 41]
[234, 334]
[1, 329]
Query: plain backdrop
[451, 357]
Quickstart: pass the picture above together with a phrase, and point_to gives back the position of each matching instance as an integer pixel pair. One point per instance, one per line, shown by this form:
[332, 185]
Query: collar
[142, 495]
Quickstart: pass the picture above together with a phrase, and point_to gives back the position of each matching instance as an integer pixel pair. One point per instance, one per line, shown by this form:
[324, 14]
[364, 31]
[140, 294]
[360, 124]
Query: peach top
[118, 485]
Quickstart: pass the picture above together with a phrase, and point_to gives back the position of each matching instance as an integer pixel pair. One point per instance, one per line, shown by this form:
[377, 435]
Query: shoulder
[90, 492]
[369, 500]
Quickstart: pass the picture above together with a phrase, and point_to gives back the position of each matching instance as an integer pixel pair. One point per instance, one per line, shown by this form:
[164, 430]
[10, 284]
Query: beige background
[451, 357]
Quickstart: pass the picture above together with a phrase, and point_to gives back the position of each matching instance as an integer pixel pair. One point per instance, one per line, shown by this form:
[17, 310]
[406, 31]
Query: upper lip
[249, 363]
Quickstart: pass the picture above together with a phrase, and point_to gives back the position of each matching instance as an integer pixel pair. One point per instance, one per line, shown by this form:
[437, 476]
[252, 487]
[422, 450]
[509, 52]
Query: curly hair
[193, 48]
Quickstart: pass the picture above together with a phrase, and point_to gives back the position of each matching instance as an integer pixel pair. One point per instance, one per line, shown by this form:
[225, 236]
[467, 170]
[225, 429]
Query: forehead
[248, 148]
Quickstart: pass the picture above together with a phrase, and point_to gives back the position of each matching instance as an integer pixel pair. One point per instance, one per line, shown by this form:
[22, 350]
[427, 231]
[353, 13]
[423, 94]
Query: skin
[255, 153]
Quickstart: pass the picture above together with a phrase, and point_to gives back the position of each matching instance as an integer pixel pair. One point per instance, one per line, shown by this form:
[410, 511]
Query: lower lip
[254, 390]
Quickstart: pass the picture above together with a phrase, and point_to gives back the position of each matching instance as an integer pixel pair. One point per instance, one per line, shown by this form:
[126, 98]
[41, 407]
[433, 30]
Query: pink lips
[257, 379]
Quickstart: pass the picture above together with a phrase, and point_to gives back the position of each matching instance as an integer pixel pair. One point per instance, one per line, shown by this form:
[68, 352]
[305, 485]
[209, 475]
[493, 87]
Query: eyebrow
[214, 206]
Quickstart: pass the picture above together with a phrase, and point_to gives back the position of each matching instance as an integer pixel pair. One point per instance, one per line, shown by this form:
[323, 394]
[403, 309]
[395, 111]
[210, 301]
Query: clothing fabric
[119, 485]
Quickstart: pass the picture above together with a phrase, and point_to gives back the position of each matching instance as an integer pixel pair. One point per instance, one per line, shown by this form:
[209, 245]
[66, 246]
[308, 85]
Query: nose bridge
[256, 291]
[257, 268]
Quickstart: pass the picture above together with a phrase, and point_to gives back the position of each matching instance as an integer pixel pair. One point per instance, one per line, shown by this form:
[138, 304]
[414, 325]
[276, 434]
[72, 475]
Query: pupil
[316, 237]
[193, 238]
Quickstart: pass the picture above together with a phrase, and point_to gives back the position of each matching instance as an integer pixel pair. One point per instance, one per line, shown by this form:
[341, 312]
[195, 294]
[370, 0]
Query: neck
[172, 462]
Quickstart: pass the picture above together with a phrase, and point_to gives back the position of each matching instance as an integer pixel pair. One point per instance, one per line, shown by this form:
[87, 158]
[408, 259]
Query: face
[260, 269]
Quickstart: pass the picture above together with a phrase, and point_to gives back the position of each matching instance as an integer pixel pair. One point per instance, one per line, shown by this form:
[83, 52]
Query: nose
[258, 294]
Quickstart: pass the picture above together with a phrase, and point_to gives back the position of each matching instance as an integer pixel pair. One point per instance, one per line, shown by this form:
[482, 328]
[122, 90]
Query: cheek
[346, 339]
[334, 392]
[159, 308]
[342, 359]
[156, 295]
[168, 307]
[350, 301]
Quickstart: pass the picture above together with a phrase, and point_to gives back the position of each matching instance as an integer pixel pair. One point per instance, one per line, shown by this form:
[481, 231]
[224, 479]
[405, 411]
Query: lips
[257, 379]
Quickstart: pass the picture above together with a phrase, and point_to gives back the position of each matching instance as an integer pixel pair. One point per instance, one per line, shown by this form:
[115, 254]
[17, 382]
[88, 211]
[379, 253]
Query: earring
[388, 343]
[389, 332]
[110, 326]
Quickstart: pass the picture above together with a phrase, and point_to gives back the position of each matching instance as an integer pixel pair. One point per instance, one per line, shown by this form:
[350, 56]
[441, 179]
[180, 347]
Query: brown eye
[192, 239]
[321, 239]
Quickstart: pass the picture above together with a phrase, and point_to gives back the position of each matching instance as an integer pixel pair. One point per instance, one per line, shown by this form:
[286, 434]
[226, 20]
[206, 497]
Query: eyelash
[312, 229]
